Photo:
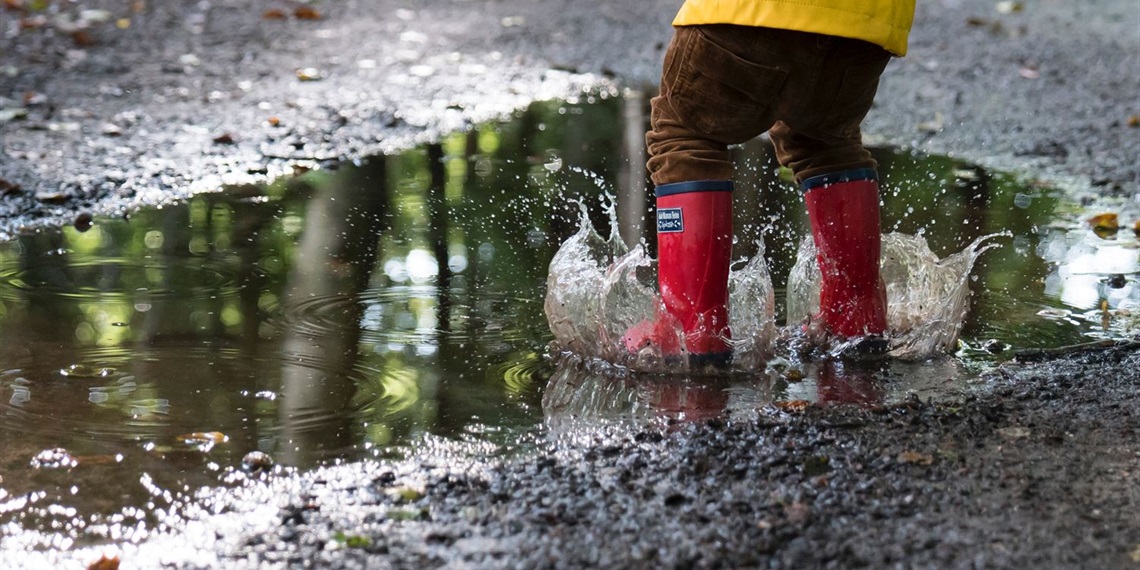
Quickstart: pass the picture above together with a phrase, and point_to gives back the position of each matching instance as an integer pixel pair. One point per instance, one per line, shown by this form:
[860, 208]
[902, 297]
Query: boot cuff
[838, 177]
[694, 186]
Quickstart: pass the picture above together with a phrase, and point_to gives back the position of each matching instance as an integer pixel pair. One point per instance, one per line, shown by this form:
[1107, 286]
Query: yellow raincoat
[883, 22]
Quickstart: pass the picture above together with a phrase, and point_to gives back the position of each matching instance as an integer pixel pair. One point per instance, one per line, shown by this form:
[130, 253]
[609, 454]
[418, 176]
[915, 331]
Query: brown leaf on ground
[14, 4]
[104, 563]
[274, 14]
[1104, 225]
[7, 187]
[82, 38]
[1134, 120]
[307, 13]
[33, 22]
[793, 406]
[915, 457]
[225, 138]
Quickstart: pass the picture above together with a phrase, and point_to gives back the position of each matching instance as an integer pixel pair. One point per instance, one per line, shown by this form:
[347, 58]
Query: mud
[1041, 472]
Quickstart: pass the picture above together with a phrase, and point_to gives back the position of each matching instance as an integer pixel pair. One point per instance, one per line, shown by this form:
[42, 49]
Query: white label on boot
[670, 220]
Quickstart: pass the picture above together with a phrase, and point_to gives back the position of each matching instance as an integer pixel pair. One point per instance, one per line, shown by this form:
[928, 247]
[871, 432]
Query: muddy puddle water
[398, 303]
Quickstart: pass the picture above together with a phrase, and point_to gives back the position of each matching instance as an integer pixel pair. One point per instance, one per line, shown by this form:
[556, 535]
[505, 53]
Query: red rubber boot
[694, 248]
[844, 212]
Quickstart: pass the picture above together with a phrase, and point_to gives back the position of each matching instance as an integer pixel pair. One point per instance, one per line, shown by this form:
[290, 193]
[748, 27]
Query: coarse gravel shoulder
[108, 106]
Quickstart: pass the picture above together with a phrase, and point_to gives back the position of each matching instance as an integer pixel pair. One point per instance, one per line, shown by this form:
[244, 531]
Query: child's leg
[841, 191]
[709, 98]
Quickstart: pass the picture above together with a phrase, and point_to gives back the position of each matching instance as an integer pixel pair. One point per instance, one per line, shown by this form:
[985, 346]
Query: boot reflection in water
[836, 384]
[689, 402]
[732, 72]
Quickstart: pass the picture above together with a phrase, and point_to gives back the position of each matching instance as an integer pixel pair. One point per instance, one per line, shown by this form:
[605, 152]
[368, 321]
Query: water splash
[597, 289]
[927, 297]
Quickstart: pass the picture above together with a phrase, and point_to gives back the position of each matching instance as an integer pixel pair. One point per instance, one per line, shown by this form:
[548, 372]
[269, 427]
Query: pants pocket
[718, 94]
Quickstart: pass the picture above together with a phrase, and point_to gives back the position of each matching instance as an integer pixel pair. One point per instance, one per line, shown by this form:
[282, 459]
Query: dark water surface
[398, 302]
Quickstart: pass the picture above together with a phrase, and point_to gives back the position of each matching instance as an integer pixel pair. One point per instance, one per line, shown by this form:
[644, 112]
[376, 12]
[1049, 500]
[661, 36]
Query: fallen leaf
[12, 188]
[274, 14]
[306, 13]
[104, 563]
[273, 121]
[793, 406]
[224, 138]
[1136, 228]
[33, 22]
[1134, 120]
[204, 437]
[1104, 225]
[82, 38]
[33, 98]
[14, 4]
[915, 457]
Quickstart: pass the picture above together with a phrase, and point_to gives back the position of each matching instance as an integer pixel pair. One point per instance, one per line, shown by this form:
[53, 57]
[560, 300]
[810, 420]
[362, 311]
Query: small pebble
[257, 462]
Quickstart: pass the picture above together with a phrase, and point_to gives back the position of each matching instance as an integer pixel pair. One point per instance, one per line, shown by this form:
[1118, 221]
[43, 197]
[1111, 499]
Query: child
[805, 71]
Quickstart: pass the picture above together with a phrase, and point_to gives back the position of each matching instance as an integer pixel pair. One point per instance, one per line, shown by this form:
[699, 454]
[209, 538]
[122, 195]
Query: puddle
[399, 302]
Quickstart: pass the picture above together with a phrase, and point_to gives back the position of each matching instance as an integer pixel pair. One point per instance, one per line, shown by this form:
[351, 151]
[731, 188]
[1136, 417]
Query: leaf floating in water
[915, 458]
[1104, 225]
[204, 440]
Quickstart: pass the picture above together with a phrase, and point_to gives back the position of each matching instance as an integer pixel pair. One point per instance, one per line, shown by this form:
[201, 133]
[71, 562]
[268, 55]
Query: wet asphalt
[1042, 471]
